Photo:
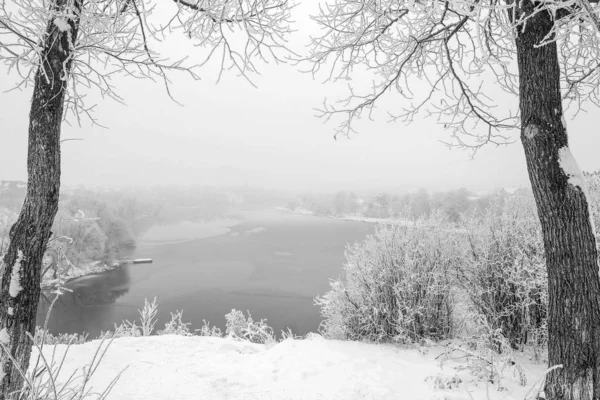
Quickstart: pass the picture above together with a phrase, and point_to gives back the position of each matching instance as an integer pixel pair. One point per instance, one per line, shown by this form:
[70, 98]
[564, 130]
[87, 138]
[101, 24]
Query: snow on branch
[121, 37]
[441, 56]
[264, 26]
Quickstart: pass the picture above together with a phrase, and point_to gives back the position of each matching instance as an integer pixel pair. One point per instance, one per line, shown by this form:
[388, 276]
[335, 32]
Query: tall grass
[45, 379]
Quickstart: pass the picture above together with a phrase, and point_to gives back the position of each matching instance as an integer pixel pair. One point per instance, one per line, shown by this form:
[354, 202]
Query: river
[270, 263]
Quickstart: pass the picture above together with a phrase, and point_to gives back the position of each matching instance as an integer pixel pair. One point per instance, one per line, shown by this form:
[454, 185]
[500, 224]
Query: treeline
[101, 225]
[452, 204]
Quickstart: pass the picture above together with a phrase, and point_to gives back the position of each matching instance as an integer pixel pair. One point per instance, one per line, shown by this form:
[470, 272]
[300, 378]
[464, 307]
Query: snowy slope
[182, 368]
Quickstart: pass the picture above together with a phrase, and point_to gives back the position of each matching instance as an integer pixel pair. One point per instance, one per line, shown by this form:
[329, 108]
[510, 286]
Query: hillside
[191, 368]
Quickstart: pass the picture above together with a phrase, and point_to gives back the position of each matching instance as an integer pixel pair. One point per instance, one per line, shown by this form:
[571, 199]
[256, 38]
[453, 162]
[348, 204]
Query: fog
[232, 133]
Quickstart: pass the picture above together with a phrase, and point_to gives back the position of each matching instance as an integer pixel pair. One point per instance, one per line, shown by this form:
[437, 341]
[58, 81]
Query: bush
[131, 329]
[245, 328]
[208, 330]
[504, 271]
[396, 285]
[176, 326]
[42, 336]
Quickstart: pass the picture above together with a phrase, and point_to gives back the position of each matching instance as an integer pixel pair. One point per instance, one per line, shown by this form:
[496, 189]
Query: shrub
[131, 329]
[208, 330]
[42, 336]
[504, 272]
[148, 317]
[396, 285]
[176, 326]
[246, 328]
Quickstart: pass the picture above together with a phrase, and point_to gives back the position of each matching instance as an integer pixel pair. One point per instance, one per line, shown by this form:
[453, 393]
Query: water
[272, 264]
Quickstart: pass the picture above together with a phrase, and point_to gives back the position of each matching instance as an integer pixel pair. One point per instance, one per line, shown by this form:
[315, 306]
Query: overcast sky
[234, 134]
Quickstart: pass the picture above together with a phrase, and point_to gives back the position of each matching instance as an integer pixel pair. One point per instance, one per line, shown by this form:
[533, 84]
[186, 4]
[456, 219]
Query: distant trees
[345, 203]
[67, 48]
[452, 204]
[542, 52]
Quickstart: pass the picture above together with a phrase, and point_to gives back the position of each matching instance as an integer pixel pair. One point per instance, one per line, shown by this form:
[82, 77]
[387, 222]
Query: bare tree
[67, 49]
[546, 52]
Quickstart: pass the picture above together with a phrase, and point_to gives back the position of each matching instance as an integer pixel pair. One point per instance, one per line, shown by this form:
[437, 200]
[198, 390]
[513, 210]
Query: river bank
[353, 218]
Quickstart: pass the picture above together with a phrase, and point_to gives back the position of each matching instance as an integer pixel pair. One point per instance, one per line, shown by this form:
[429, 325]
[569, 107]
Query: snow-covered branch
[121, 37]
[439, 56]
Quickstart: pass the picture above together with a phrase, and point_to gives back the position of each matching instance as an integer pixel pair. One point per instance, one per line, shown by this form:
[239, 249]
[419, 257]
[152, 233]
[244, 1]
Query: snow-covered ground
[212, 368]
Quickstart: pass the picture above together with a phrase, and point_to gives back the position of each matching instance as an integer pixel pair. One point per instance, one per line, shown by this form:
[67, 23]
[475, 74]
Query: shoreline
[350, 218]
[90, 269]
[97, 268]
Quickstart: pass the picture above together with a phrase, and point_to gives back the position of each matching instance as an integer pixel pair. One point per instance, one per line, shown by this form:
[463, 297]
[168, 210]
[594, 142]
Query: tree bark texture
[20, 290]
[569, 240]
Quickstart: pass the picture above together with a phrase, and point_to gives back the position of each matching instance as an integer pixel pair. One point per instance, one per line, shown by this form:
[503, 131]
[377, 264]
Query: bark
[569, 241]
[30, 234]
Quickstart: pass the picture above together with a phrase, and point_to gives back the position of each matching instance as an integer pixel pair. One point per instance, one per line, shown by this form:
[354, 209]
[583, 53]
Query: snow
[297, 210]
[11, 311]
[571, 169]
[255, 230]
[4, 336]
[61, 24]
[190, 368]
[15, 278]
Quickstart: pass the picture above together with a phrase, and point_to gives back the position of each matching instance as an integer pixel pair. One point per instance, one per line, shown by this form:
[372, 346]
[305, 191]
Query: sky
[232, 133]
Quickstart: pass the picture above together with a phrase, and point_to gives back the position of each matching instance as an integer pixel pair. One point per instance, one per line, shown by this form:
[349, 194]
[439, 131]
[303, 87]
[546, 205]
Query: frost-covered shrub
[125, 329]
[148, 316]
[488, 356]
[246, 328]
[42, 336]
[396, 285]
[208, 330]
[176, 326]
[504, 271]
[131, 329]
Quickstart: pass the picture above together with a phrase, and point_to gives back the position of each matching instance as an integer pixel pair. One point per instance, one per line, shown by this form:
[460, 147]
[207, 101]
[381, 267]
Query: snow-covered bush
[396, 285]
[246, 328]
[489, 357]
[131, 329]
[125, 329]
[503, 271]
[208, 330]
[148, 316]
[176, 326]
[42, 336]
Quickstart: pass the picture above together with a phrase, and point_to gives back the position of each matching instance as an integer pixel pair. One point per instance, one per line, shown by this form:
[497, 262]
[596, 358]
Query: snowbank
[182, 368]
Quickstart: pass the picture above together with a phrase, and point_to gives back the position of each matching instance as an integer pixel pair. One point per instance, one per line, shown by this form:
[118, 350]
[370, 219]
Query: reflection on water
[272, 264]
[86, 303]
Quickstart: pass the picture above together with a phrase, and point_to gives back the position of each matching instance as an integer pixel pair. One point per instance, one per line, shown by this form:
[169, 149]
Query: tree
[67, 49]
[458, 50]
[344, 202]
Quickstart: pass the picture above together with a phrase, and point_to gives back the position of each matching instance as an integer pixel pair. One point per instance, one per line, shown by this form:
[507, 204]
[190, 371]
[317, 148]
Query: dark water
[272, 264]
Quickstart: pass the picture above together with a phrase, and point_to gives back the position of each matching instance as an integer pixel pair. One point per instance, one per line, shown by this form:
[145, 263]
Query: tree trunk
[563, 209]
[20, 290]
